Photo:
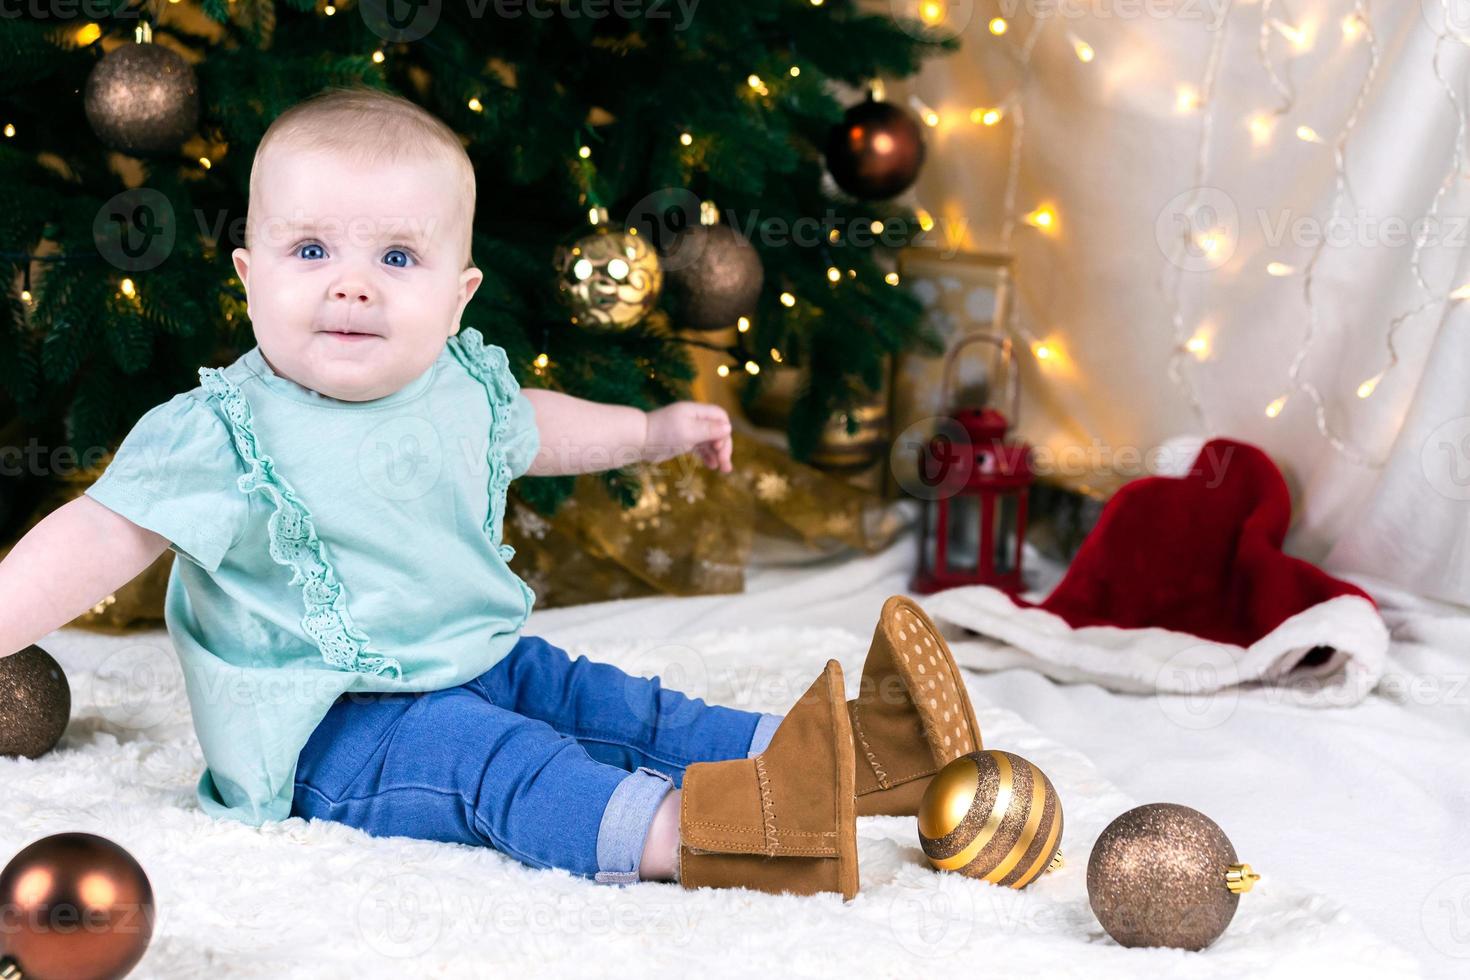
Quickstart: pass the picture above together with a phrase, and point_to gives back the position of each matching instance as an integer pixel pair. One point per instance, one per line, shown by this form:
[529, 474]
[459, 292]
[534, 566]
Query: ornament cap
[1241, 878]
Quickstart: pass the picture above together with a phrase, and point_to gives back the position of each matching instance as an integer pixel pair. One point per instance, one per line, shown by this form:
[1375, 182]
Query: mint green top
[326, 547]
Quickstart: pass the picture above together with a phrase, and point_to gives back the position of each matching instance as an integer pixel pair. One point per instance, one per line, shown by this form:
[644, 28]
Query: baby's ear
[241, 258]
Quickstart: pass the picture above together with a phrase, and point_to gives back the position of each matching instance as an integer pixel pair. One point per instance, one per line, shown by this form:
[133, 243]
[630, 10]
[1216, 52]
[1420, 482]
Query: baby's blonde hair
[369, 126]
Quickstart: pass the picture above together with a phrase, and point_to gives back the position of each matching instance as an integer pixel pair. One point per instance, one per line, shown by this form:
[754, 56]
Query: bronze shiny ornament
[142, 99]
[76, 906]
[35, 703]
[840, 451]
[1165, 875]
[609, 278]
[720, 281]
[994, 816]
[876, 151]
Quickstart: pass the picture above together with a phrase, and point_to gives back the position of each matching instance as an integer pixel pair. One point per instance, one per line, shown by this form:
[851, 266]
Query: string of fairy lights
[1277, 24]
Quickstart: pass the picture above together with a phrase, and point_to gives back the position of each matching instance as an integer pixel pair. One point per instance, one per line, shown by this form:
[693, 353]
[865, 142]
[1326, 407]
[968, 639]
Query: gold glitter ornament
[994, 816]
[1165, 875]
[142, 98]
[35, 703]
[609, 278]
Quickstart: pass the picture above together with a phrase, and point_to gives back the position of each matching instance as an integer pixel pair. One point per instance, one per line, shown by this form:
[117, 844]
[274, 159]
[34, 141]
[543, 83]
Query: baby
[342, 605]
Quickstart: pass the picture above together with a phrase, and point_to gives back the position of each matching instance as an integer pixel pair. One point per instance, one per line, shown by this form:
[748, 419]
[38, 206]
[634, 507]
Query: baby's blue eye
[307, 245]
[397, 251]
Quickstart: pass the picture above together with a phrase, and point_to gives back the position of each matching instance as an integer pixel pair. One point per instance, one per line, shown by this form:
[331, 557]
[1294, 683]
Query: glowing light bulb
[723, 370]
[329, 10]
[1044, 217]
[1366, 388]
[88, 33]
[584, 151]
[1274, 409]
[1279, 269]
[1082, 49]
[1186, 98]
[817, 3]
[788, 300]
[795, 71]
[1295, 36]
[128, 289]
[205, 163]
[542, 360]
[476, 105]
[743, 324]
[930, 117]
[10, 129]
[986, 117]
[1043, 352]
[891, 279]
[1211, 242]
[931, 12]
[833, 275]
[998, 26]
[775, 355]
[925, 219]
[752, 367]
[1261, 127]
[378, 57]
[1199, 346]
[754, 81]
[685, 139]
[25, 295]
[1307, 135]
[1352, 26]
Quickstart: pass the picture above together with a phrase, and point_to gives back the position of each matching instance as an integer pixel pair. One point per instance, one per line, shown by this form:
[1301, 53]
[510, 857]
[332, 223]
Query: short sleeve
[522, 438]
[176, 474]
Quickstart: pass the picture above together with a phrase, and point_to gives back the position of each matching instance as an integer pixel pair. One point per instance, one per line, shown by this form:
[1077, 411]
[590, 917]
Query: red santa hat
[1182, 587]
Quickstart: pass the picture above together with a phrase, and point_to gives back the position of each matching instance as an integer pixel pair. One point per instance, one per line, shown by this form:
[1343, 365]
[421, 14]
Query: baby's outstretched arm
[80, 553]
[580, 436]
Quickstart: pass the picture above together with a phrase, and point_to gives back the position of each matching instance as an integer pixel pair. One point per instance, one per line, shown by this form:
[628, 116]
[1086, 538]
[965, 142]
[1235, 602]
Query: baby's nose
[355, 292]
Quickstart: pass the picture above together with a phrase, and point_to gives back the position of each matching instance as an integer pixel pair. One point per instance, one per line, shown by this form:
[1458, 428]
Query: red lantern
[973, 487]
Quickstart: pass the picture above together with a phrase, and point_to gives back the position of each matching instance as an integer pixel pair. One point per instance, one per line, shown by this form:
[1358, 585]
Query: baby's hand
[689, 426]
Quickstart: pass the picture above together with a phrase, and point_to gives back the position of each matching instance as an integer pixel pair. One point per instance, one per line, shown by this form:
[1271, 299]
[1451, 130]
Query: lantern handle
[1008, 351]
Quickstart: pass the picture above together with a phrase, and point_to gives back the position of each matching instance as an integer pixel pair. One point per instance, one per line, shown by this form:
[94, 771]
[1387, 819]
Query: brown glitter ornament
[35, 703]
[991, 815]
[76, 906]
[609, 278]
[876, 151]
[142, 99]
[1165, 875]
[715, 275]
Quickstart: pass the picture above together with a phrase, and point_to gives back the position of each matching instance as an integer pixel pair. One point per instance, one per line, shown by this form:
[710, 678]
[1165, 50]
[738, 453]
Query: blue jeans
[554, 762]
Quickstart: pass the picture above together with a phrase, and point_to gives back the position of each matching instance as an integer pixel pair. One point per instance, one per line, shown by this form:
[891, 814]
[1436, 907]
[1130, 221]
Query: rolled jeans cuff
[764, 729]
[625, 824]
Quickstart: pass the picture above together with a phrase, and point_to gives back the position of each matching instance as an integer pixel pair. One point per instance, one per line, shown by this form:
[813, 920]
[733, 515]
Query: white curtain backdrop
[1183, 181]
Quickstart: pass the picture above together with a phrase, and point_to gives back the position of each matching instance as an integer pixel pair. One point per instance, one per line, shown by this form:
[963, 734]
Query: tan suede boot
[782, 821]
[912, 713]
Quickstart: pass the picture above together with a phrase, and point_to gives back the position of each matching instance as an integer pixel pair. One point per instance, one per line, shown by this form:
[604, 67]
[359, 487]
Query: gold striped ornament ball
[991, 815]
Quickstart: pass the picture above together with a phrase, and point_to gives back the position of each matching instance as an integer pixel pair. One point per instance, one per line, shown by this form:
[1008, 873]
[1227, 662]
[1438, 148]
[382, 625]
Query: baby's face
[336, 246]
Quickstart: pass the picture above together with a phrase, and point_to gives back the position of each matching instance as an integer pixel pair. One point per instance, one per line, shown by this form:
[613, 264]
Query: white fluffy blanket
[323, 900]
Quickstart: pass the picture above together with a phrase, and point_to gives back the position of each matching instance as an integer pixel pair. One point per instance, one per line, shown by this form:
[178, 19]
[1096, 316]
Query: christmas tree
[651, 115]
